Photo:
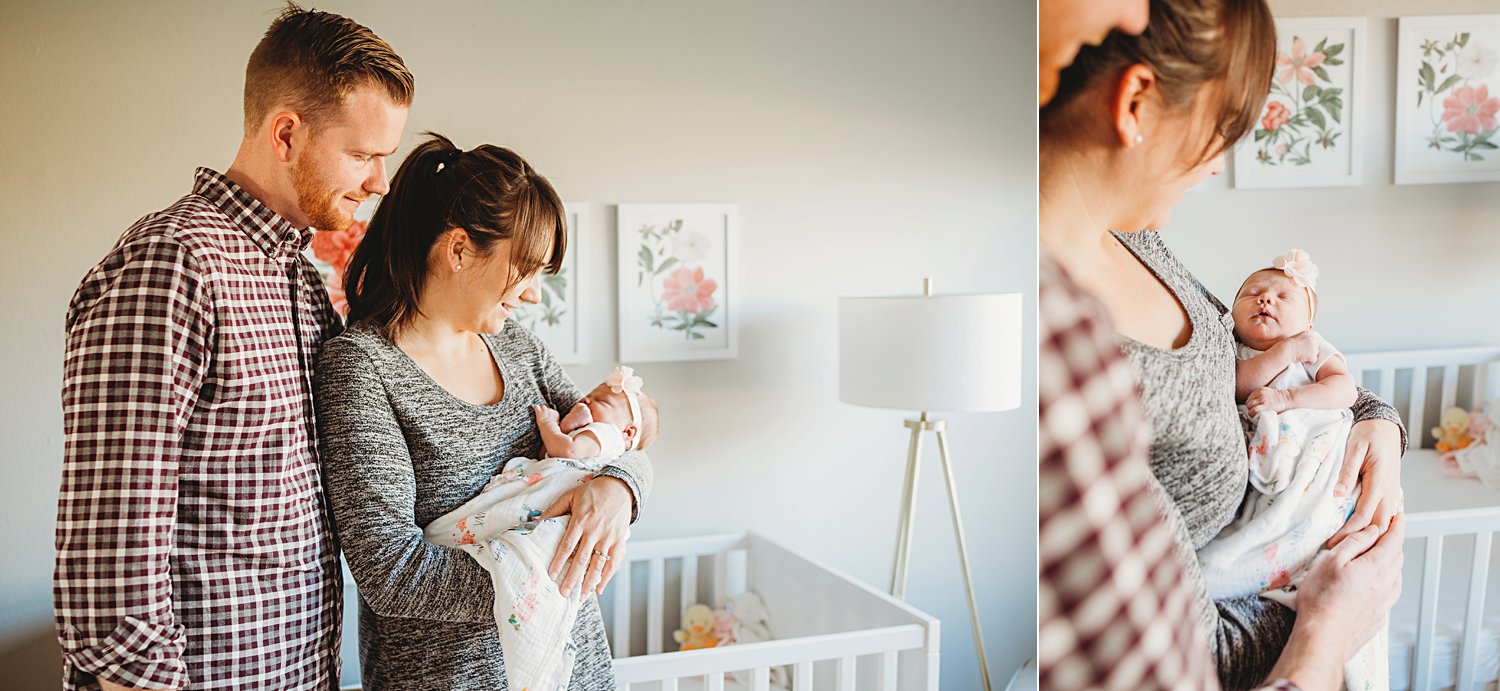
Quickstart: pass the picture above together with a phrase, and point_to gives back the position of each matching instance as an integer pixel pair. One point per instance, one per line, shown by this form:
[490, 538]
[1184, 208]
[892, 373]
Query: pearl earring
[460, 267]
[1139, 139]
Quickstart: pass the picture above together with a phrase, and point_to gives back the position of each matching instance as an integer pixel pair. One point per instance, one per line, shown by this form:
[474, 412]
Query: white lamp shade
[954, 353]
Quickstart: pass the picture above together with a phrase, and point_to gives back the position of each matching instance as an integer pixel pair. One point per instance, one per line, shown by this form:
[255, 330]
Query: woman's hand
[1341, 604]
[593, 547]
[1374, 455]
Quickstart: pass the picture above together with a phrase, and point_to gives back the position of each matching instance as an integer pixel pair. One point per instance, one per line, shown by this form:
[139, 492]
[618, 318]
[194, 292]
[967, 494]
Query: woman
[1135, 122]
[428, 392]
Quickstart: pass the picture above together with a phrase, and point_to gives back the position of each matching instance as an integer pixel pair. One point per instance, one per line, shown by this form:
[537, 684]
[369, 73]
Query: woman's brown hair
[490, 192]
[1227, 46]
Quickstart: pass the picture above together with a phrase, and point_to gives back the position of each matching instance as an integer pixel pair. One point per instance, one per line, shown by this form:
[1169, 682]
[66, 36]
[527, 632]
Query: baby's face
[1269, 308]
[607, 406]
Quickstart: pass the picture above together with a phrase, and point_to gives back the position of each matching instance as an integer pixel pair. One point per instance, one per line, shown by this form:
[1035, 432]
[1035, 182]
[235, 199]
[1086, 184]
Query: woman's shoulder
[361, 342]
[1148, 246]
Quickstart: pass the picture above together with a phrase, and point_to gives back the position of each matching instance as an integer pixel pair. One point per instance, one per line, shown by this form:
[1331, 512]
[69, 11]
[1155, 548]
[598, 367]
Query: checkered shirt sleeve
[1115, 609]
[192, 547]
[135, 361]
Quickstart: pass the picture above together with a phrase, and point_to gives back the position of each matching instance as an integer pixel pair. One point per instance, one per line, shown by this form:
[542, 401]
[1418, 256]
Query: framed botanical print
[1448, 99]
[677, 282]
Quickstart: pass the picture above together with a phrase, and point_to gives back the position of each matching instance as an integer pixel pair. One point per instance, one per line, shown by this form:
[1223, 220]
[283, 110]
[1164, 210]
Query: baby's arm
[1334, 390]
[1258, 371]
[560, 445]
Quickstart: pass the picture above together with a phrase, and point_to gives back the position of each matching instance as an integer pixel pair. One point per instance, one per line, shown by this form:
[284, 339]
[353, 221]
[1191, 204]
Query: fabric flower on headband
[1298, 266]
[623, 380]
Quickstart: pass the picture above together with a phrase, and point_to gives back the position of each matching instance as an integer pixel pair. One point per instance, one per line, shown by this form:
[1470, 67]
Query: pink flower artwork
[686, 290]
[1471, 109]
[1277, 114]
[1298, 65]
[336, 248]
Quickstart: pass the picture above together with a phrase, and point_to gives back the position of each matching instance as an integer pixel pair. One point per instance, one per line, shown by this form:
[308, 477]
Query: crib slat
[846, 674]
[621, 585]
[1481, 384]
[1450, 386]
[1479, 574]
[720, 591]
[716, 681]
[888, 671]
[1418, 405]
[1388, 383]
[655, 604]
[690, 582]
[669, 684]
[802, 676]
[761, 679]
[1432, 562]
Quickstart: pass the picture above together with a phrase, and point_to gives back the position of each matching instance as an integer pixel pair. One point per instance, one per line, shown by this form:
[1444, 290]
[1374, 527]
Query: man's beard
[319, 205]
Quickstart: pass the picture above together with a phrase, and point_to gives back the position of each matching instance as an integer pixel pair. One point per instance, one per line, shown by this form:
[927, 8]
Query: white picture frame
[1447, 97]
[678, 282]
[558, 319]
[1307, 131]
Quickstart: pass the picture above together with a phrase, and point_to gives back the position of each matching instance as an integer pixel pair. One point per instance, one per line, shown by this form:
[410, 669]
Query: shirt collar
[270, 232]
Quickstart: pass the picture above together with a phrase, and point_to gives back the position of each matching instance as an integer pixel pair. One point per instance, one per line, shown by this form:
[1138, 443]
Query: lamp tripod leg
[963, 557]
[908, 516]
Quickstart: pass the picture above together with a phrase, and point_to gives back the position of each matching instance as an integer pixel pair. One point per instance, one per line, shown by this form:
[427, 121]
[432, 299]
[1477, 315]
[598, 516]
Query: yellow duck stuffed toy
[1452, 433]
[697, 630]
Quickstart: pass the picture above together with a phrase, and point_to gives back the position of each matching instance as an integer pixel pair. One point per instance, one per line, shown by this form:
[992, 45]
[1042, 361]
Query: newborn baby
[1299, 390]
[501, 528]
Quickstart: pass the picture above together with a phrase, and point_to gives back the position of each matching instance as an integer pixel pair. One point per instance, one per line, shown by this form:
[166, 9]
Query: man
[193, 547]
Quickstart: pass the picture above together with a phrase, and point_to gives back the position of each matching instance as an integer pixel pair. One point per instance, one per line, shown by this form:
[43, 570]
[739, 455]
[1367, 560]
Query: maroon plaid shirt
[193, 550]
[1114, 610]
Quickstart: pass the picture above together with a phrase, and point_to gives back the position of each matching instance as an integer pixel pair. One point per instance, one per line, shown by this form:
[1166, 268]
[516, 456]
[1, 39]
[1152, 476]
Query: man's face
[1066, 25]
[342, 160]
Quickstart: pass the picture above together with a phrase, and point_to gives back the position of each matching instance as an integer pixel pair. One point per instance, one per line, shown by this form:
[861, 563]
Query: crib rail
[1448, 371]
[841, 634]
[1431, 529]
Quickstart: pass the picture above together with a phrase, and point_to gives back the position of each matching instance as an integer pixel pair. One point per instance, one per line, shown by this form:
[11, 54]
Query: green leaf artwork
[669, 266]
[1455, 97]
[1304, 108]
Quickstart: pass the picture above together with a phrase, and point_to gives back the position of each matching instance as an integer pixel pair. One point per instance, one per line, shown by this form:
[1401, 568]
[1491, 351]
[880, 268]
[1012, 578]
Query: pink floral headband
[1299, 267]
[624, 381]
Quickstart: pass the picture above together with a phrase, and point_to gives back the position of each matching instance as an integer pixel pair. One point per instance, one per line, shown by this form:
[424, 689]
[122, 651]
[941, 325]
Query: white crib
[1442, 634]
[832, 632]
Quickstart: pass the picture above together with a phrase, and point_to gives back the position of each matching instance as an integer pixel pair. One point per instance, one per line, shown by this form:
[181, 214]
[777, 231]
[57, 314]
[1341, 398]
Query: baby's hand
[545, 416]
[1303, 347]
[1266, 398]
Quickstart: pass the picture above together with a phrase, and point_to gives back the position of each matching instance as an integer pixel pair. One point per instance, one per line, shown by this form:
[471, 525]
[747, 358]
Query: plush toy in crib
[699, 629]
[1453, 431]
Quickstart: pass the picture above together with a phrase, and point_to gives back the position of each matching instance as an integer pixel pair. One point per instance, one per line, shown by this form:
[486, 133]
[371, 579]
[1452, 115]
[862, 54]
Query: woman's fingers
[562, 507]
[616, 559]
[565, 549]
[1354, 461]
[579, 564]
[1363, 516]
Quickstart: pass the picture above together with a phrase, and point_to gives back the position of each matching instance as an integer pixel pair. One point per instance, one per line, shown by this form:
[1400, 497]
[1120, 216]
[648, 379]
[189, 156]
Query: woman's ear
[1131, 106]
[455, 247]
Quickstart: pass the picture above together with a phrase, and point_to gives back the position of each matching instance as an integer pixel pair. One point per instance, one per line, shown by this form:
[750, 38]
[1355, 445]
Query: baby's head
[1276, 303]
[610, 402]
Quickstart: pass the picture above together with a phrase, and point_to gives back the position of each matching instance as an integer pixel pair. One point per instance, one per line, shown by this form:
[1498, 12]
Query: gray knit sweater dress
[399, 451]
[1199, 457]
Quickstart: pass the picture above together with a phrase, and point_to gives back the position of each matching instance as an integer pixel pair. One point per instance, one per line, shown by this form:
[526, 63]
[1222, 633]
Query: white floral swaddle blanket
[1290, 511]
[499, 527]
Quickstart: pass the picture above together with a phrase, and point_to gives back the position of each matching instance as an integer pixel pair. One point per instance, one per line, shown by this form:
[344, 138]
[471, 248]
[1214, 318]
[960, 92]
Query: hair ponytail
[490, 192]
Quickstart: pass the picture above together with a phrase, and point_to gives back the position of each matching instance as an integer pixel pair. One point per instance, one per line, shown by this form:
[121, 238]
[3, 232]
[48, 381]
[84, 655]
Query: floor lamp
[954, 353]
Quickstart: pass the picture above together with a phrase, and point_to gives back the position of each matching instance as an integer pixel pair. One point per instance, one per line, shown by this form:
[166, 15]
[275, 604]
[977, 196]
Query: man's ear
[284, 126]
[1132, 110]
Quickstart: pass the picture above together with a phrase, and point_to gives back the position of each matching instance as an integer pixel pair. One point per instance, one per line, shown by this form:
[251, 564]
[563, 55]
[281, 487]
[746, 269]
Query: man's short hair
[310, 62]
